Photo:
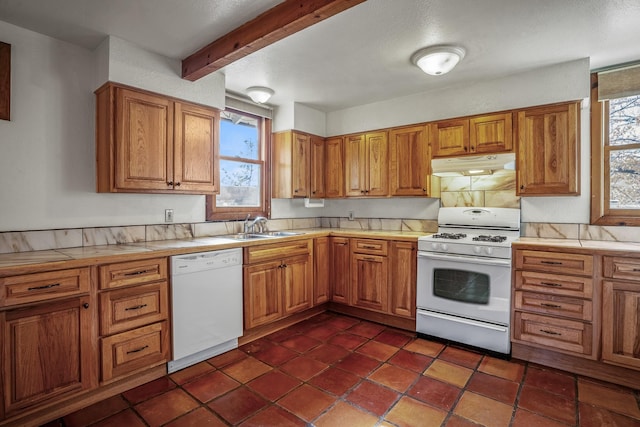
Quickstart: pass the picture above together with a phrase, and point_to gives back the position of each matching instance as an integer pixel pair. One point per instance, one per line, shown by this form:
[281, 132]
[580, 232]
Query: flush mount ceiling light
[259, 94]
[437, 60]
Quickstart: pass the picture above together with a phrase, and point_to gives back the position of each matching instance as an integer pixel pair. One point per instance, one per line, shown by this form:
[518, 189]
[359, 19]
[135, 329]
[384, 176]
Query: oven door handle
[469, 259]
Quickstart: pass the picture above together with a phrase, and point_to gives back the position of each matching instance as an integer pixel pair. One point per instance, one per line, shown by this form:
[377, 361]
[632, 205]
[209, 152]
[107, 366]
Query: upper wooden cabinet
[548, 150]
[318, 164]
[409, 162]
[366, 164]
[298, 165]
[480, 134]
[151, 143]
[334, 167]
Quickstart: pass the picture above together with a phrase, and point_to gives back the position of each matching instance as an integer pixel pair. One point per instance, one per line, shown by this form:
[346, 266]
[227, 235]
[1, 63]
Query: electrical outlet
[168, 215]
[351, 216]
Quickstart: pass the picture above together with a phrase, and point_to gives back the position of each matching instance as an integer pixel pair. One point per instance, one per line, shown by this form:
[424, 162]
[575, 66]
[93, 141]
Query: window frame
[601, 213]
[218, 213]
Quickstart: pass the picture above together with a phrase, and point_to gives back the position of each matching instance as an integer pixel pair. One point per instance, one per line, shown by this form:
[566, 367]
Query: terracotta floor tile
[341, 322]
[247, 369]
[435, 393]
[551, 380]
[126, 418]
[426, 347]
[301, 343]
[273, 416]
[256, 346]
[96, 412]
[166, 407]
[502, 368]
[238, 404]
[594, 416]
[377, 350]
[407, 411]
[449, 373]
[281, 335]
[622, 402]
[198, 418]
[335, 381]
[348, 341]
[149, 390]
[366, 329]
[275, 355]
[306, 402]
[323, 332]
[303, 367]
[394, 338]
[547, 404]
[343, 414]
[210, 386]
[466, 358]
[394, 377]
[373, 397]
[457, 421]
[187, 374]
[525, 418]
[227, 358]
[358, 364]
[328, 353]
[413, 361]
[483, 410]
[496, 388]
[273, 385]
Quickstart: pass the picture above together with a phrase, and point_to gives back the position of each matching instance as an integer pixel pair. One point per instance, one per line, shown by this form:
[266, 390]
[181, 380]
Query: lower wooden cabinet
[340, 273]
[369, 281]
[402, 279]
[321, 272]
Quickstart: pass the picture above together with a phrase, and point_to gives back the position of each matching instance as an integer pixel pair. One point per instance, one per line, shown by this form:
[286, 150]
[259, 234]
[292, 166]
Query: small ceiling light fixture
[259, 94]
[437, 60]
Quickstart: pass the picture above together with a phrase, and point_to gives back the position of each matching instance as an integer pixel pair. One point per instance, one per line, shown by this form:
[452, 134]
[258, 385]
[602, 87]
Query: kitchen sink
[280, 233]
[246, 236]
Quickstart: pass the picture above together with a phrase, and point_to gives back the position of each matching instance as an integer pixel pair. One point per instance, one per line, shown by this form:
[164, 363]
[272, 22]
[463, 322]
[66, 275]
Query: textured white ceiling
[361, 55]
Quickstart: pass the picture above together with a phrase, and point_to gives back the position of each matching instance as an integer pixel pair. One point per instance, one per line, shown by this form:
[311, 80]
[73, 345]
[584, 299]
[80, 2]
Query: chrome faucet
[259, 222]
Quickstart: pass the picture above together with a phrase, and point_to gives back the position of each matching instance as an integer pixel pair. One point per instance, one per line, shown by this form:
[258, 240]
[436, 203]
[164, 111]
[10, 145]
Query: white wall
[295, 115]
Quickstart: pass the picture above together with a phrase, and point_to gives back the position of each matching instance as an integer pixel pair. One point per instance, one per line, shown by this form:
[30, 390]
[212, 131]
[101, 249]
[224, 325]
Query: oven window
[460, 285]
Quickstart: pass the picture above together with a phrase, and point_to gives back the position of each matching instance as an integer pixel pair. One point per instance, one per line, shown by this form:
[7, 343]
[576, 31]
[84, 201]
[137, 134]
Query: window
[615, 148]
[243, 151]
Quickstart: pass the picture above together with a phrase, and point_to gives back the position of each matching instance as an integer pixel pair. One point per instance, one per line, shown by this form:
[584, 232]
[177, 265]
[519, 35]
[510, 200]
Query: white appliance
[206, 291]
[484, 164]
[464, 277]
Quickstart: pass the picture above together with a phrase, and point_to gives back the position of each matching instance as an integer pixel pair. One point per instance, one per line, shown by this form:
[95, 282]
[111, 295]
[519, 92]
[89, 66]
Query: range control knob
[489, 250]
[477, 249]
[435, 246]
[445, 247]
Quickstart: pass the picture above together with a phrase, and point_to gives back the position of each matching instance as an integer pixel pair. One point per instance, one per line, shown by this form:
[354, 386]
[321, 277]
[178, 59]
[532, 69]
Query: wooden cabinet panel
[131, 307]
[451, 138]
[277, 251]
[557, 305]
[402, 279]
[133, 273]
[334, 167]
[322, 268]
[340, 273]
[491, 134]
[378, 164]
[621, 323]
[369, 275]
[409, 162]
[318, 161]
[370, 246]
[621, 268]
[568, 335]
[300, 164]
[366, 160]
[29, 288]
[554, 284]
[262, 294]
[566, 263]
[355, 159]
[297, 283]
[548, 150]
[291, 164]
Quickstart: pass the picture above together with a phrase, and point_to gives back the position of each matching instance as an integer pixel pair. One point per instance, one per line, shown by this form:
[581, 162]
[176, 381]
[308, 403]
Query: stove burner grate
[487, 238]
[453, 236]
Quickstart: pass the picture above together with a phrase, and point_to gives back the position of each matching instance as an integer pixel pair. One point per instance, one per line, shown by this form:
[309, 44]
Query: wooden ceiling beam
[275, 24]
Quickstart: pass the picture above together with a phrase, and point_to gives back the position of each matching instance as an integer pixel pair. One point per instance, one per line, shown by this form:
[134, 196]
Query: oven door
[470, 287]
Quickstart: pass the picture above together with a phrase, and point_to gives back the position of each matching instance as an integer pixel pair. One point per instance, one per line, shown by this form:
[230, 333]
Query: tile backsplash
[497, 190]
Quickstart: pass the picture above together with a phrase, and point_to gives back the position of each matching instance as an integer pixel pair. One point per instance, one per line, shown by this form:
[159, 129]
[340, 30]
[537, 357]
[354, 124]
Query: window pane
[625, 179]
[239, 184]
[238, 136]
[624, 121]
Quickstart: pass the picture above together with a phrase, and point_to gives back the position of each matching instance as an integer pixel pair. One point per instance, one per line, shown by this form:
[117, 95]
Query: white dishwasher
[206, 291]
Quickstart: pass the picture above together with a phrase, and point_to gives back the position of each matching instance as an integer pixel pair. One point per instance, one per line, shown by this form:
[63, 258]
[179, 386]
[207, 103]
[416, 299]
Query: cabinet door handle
[551, 262]
[170, 183]
[368, 247]
[342, 244]
[177, 184]
[635, 269]
[85, 305]
[544, 304]
[39, 288]
[138, 350]
[548, 332]
[135, 307]
[522, 187]
[137, 273]
[553, 285]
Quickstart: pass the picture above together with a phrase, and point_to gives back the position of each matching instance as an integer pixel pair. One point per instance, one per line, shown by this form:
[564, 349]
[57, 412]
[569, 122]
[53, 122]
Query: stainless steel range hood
[484, 164]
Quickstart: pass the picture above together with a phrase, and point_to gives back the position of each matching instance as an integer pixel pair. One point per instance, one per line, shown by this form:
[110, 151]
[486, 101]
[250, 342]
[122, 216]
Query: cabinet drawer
[133, 273]
[556, 284]
[555, 262]
[551, 304]
[35, 287]
[558, 334]
[622, 268]
[134, 350]
[276, 251]
[129, 308]
[369, 246]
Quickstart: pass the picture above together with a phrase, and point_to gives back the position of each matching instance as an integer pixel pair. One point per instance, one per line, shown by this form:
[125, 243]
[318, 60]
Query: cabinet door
[408, 161]
[318, 161]
[355, 158]
[491, 134]
[300, 164]
[369, 281]
[195, 149]
[334, 167]
[48, 352]
[377, 164]
[144, 141]
[451, 138]
[297, 274]
[340, 270]
[621, 323]
[548, 151]
[262, 293]
[321, 250]
[402, 279]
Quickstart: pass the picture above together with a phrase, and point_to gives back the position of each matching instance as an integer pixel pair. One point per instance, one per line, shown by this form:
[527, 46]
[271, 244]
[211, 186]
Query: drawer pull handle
[137, 273]
[548, 332]
[138, 350]
[135, 307]
[553, 285]
[39, 288]
[368, 247]
[368, 258]
[544, 304]
[636, 269]
[551, 262]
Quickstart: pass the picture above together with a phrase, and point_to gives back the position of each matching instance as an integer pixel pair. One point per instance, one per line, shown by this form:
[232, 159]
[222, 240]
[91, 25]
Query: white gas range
[464, 277]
